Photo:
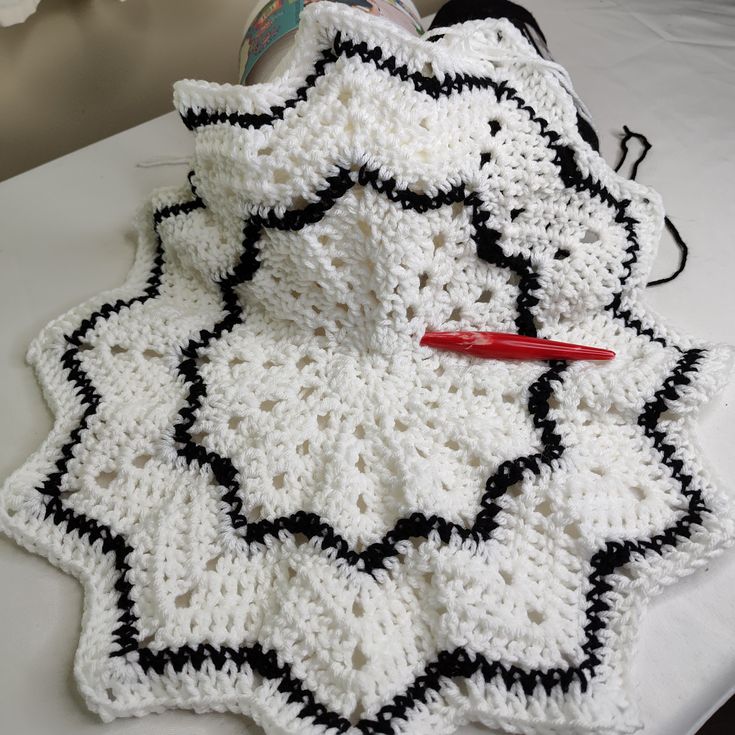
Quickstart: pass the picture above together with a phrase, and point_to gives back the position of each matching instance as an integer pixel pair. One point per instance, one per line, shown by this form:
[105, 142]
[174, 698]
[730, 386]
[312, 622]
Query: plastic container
[271, 27]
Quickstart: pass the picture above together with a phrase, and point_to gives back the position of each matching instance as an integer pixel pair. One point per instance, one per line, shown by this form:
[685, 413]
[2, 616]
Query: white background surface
[666, 69]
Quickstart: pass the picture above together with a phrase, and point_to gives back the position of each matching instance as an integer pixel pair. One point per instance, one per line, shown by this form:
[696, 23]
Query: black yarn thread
[629, 135]
[683, 254]
[448, 664]
[673, 231]
[417, 525]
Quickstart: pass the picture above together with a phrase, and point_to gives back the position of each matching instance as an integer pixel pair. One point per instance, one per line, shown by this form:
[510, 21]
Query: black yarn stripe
[196, 119]
[487, 239]
[615, 554]
[126, 634]
[564, 156]
[448, 664]
[417, 525]
[81, 524]
[431, 86]
[262, 661]
[460, 662]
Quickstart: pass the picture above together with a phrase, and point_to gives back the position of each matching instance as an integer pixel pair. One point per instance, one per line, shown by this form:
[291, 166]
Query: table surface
[66, 235]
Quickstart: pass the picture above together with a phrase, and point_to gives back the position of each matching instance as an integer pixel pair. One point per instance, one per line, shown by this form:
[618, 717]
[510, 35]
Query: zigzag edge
[447, 664]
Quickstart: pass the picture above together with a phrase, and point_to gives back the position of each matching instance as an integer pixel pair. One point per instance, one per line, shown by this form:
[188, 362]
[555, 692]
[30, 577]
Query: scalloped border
[714, 533]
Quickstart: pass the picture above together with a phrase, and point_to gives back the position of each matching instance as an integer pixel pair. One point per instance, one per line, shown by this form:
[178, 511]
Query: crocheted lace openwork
[279, 503]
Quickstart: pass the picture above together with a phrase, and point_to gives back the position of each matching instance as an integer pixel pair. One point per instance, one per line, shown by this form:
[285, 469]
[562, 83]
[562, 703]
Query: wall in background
[79, 70]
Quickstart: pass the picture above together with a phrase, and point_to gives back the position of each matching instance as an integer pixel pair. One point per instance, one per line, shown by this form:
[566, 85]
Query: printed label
[280, 18]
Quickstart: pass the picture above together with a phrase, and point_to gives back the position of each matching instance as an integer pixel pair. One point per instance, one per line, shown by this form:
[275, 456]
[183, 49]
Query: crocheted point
[282, 505]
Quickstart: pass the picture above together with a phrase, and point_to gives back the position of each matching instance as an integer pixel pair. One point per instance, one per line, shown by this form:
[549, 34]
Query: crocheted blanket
[279, 503]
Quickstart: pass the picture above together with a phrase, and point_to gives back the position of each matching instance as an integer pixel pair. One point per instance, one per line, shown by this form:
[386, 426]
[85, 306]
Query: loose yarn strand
[683, 257]
[673, 231]
[629, 134]
[164, 161]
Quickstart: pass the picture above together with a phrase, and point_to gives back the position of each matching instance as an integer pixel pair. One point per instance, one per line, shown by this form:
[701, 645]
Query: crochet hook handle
[504, 346]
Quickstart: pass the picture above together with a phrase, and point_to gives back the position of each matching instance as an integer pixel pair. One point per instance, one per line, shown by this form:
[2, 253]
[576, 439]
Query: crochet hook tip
[447, 340]
[504, 346]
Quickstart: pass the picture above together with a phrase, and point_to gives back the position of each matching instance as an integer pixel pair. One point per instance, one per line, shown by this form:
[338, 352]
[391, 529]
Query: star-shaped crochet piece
[279, 503]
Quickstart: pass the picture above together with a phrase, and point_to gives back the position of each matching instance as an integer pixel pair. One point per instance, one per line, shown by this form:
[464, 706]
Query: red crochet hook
[504, 346]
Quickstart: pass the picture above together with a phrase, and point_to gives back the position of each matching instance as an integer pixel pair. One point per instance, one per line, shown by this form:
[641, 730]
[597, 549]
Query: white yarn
[167, 160]
[323, 401]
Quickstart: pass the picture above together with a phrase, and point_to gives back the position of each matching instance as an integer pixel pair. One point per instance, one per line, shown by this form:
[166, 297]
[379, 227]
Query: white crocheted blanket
[279, 503]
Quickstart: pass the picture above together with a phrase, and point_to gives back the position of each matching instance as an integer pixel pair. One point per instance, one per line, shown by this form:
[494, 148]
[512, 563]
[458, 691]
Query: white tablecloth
[665, 68]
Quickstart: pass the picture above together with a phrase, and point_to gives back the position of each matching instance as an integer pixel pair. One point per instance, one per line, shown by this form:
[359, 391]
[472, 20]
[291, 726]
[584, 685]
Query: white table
[63, 238]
